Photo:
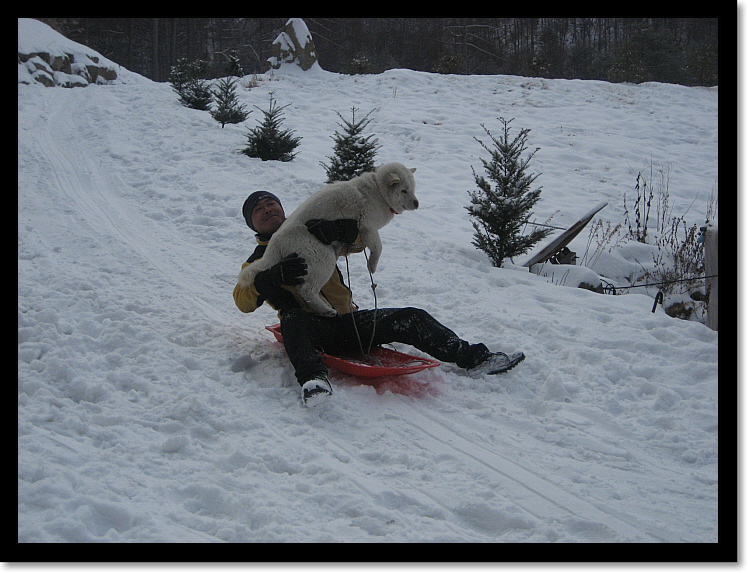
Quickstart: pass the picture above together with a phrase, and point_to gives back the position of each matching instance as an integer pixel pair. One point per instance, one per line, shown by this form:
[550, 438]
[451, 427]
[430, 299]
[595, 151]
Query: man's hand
[343, 230]
[287, 272]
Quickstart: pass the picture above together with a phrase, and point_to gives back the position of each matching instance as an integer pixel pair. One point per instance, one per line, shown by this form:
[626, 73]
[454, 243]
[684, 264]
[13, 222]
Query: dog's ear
[392, 179]
[413, 170]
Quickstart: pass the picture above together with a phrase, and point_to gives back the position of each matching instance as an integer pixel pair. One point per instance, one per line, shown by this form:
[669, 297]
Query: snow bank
[35, 36]
[49, 58]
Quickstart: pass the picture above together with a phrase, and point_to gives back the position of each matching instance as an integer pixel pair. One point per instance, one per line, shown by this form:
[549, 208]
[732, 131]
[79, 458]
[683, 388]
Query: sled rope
[373, 290]
[350, 307]
[350, 304]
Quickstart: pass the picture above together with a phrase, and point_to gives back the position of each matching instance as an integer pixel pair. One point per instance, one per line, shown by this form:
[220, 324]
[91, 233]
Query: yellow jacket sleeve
[246, 298]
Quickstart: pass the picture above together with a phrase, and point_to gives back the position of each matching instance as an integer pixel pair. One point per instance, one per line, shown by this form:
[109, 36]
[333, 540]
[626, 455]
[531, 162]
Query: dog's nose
[415, 203]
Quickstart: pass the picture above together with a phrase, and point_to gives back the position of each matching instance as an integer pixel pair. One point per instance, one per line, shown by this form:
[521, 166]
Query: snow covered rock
[294, 46]
[569, 275]
[49, 58]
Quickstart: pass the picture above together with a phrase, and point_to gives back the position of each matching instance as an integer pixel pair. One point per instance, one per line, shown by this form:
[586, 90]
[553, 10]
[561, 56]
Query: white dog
[372, 199]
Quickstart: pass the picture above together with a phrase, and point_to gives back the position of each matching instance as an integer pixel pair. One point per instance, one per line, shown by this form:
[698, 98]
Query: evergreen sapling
[227, 108]
[500, 212]
[267, 141]
[233, 66]
[193, 91]
[354, 153]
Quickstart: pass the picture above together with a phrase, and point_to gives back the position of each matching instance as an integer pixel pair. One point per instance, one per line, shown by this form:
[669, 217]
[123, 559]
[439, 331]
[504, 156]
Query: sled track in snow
[91, 190]
[545, 500]
[536, 499]
[389, 494]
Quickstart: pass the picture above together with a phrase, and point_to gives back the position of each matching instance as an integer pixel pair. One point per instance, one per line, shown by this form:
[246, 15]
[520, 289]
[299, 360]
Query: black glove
[287, 272]
[343, 230]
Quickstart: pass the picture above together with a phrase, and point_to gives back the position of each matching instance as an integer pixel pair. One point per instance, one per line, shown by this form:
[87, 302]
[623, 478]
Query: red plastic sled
[383, 361]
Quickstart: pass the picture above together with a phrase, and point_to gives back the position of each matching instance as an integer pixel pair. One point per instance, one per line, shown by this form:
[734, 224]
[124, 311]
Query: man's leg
[411, 326]
[297, 328]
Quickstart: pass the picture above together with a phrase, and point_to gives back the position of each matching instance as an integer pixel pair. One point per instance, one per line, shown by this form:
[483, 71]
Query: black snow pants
[304, 333]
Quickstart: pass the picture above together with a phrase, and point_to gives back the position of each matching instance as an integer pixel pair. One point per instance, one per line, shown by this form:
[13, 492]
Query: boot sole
[316, 399]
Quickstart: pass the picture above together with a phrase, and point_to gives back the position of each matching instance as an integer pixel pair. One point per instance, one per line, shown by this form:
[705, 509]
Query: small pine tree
[360, 64]
[268, 141]
[193, 91]
[354, 153]
[501, 212]
[178, 75]
[227, 108]
[233, 66]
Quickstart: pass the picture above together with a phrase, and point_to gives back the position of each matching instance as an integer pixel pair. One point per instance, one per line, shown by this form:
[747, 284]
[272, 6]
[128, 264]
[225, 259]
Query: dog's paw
[319, 306]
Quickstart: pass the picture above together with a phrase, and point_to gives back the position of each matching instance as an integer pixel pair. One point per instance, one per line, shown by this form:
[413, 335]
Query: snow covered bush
[678, 265]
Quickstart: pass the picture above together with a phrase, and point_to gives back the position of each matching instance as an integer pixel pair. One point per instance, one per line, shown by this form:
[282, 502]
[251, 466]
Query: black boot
[496, 363]
[315, 391]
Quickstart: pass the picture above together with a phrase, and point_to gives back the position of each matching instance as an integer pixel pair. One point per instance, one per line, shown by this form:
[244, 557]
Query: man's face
[267, 216]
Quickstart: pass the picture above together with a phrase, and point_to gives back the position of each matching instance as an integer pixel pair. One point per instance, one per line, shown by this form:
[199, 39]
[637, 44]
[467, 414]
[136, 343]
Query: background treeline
[672, 50]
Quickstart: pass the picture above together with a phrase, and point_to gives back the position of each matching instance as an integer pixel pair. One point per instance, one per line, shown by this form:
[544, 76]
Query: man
[304, 332]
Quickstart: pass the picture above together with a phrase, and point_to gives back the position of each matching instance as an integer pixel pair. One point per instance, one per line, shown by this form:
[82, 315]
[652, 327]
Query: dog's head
[399, 187]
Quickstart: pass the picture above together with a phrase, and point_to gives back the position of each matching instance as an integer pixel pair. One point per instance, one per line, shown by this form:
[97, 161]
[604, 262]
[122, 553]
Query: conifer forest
[670, 50]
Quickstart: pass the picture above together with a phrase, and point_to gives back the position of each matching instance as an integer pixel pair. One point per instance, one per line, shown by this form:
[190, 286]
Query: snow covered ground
[151, 410]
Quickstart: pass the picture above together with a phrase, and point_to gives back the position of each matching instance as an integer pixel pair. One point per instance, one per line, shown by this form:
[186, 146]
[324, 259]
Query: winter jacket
[335, 291]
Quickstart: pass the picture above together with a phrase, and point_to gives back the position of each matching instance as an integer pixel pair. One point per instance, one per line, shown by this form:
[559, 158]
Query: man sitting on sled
[304, 333]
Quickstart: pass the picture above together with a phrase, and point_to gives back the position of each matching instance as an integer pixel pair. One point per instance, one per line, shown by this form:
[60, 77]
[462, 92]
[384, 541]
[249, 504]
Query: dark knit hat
[252, 201]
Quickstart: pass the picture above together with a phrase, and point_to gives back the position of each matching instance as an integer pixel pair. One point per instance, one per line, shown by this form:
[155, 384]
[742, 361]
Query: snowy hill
[151, 410]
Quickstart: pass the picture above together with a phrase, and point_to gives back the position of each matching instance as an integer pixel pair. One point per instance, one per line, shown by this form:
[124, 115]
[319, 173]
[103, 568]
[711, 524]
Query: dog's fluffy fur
[372, 199]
